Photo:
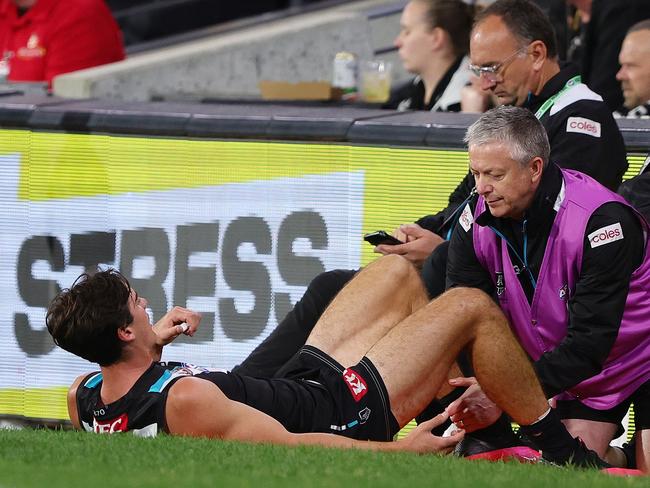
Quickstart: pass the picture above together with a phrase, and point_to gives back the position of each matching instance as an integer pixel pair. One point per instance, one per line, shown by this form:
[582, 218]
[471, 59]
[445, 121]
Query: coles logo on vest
[120, 424]
[605, 235]
[583, 126]
[356, 384]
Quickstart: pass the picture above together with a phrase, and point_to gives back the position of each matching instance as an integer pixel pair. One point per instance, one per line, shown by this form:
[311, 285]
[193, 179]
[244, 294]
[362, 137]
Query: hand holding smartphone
[381, 237]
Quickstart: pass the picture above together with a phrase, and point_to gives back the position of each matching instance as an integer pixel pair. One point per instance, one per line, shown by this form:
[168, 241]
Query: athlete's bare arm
[196, 407]
[72, 401]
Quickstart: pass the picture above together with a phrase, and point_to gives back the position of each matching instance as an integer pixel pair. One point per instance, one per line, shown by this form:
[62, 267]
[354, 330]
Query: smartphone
[381, 237]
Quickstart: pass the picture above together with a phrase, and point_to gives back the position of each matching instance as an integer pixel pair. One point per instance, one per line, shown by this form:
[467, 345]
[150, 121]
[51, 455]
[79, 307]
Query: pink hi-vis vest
[542, 325]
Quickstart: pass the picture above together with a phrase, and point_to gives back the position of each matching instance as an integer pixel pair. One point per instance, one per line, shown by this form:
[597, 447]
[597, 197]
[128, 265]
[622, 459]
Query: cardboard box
[304, 90]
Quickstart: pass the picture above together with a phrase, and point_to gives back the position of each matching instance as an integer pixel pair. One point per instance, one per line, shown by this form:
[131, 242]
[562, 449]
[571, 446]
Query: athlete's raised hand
[177, 321]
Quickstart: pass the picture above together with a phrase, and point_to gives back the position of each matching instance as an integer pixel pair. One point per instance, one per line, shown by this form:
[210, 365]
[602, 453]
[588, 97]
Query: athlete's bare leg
[380, 296]
[415, 356]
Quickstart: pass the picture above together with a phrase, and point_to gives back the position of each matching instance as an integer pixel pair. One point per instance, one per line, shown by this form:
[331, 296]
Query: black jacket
[597, 305]
[603, 158]
[410, 95]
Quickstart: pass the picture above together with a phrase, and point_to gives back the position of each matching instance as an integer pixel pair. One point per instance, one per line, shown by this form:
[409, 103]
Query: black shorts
[360, 407]
[574, 409]
[318, 395]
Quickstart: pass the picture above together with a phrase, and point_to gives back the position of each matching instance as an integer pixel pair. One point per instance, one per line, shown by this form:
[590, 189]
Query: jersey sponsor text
[120, 424]
[356, 384]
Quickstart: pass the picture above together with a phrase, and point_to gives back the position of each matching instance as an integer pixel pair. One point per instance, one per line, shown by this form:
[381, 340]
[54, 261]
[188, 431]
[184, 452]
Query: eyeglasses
[491, 72]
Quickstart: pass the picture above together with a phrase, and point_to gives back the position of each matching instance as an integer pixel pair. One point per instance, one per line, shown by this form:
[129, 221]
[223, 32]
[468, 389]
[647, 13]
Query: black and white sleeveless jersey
[300, 406]
[142, 409]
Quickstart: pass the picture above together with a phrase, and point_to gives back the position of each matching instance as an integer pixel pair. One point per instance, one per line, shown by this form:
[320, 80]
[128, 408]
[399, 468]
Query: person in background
[40, 39]
[634, 74]
[433, 44]
[514, 54]
[605, 23]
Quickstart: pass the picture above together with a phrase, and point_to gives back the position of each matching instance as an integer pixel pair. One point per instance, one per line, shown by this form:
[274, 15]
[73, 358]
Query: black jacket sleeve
[463, 268]
[441, 222]
[596, 148]
[597, 305]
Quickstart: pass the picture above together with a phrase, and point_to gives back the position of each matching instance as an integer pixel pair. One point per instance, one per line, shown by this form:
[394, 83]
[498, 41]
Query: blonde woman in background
[433, 43]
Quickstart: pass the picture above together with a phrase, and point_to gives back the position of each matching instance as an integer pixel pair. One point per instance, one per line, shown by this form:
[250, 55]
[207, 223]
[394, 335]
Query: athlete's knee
[472, 299]
[398, 269]
[332, 280]
[473, 304]
[324, 287]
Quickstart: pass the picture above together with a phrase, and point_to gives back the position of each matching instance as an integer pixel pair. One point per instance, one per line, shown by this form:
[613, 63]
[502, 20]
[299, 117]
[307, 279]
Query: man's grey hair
[517, 127]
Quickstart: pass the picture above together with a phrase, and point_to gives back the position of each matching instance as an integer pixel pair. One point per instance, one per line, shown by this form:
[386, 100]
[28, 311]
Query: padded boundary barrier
[343, 124]
[385, 147]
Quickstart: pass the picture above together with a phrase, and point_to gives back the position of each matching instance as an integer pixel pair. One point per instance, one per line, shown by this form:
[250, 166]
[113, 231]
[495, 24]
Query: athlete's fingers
[456, 436]
[450, 442]
[463, 381]
[459, 404]
[179, 315]
[168, 334]
[435, 421]
[423, 440]
[177, 321]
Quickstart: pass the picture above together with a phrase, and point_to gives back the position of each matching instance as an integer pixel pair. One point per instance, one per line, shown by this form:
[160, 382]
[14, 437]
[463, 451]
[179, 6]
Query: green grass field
[50, 459]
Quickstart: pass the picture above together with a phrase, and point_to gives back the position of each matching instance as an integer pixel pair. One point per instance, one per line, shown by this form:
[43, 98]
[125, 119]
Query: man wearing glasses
[513, 52]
